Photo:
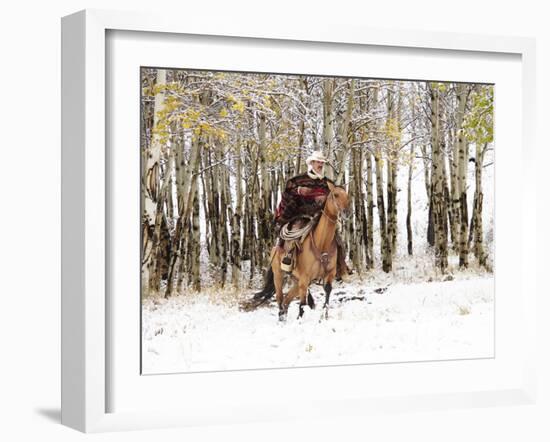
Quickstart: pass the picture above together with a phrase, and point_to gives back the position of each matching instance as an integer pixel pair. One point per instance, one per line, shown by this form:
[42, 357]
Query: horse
[315, 261]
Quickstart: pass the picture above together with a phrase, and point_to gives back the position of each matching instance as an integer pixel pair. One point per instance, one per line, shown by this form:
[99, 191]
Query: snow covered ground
[420, 316]
[414, 317]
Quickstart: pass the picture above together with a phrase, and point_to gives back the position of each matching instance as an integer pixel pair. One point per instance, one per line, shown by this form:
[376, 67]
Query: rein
[333, 221]
[339, 209]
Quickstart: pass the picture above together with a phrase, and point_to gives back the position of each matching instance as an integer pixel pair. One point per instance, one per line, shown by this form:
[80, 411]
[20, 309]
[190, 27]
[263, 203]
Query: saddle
[294, 234]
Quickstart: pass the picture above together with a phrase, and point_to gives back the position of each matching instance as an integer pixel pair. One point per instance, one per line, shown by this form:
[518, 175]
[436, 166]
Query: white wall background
[30, 216]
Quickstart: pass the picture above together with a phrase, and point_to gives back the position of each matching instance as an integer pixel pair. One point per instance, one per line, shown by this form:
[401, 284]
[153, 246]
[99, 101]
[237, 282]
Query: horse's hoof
[282, 317]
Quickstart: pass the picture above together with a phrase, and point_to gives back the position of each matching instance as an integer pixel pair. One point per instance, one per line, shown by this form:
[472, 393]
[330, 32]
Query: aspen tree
[438, 185]
[151, 184]
[460, 201]
[328, 121]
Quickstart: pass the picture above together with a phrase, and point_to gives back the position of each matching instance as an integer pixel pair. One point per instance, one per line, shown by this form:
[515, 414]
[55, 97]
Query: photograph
[292, 220]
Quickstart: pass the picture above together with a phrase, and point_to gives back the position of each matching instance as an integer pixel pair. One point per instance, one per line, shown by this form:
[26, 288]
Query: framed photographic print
[253, 212]
[232, 157]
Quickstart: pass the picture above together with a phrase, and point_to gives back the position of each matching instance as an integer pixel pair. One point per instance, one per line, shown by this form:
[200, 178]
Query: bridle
[338, 208]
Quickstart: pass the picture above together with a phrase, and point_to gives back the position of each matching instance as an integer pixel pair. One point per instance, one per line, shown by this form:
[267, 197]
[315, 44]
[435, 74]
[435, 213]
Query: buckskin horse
[316, 261]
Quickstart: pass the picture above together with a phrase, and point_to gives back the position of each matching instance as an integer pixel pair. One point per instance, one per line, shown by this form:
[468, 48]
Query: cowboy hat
[317, 155]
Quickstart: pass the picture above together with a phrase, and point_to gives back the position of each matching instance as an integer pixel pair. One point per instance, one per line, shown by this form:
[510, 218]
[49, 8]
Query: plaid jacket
[309, 200]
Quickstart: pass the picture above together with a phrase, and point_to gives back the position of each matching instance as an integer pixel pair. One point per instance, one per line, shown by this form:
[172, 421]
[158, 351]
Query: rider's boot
[286, 262]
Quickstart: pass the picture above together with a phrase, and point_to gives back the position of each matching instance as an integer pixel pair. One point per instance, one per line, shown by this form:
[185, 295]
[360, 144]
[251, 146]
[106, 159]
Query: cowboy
[304, 197]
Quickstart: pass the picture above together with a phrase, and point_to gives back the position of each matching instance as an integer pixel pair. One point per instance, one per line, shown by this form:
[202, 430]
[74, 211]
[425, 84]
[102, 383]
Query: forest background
[218, 147]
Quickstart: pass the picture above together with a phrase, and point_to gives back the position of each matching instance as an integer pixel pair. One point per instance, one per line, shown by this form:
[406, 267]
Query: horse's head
[337, 200]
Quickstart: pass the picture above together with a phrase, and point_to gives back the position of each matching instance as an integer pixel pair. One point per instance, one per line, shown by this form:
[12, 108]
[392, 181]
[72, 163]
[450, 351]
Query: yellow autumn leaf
[238, 106]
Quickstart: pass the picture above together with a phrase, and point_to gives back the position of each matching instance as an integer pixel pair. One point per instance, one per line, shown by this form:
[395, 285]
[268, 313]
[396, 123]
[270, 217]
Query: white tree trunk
[479, 250]
[460, 202]
[236, 221]
[438, 192]
[345, 134]
[151, 184]
[328, 122]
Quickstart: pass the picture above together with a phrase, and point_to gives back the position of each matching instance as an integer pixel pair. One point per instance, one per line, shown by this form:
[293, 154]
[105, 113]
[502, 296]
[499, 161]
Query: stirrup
[286, 264]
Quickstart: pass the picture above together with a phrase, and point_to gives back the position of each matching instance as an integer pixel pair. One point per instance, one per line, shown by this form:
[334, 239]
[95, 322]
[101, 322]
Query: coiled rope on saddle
[300, 233]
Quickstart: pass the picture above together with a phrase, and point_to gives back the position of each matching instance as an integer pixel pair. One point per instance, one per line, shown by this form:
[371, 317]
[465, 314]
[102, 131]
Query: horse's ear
[330, 186]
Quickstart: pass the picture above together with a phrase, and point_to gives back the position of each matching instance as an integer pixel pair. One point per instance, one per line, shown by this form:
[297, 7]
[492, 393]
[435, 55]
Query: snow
[409, 315]
[419, 315]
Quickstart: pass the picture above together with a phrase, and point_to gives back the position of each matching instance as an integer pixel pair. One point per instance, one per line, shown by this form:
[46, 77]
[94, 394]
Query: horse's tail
[269, 287]
[265, 294]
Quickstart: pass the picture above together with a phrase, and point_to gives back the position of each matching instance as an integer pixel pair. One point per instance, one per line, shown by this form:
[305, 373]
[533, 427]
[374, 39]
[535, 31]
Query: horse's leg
[287, 300]
[302, 291]
[328, 289]
[278, 282]
[310, 300]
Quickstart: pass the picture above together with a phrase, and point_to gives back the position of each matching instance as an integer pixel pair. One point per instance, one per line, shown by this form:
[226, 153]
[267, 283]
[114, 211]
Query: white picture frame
[85, 308]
